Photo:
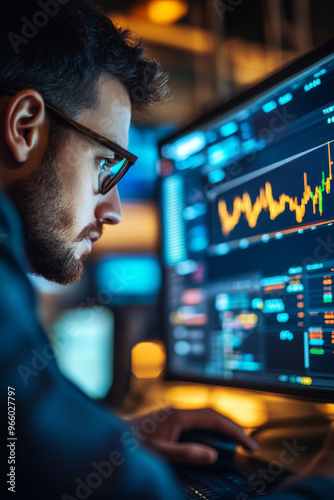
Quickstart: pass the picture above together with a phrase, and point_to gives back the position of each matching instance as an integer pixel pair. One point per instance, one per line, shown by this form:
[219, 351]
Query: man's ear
[24, 116]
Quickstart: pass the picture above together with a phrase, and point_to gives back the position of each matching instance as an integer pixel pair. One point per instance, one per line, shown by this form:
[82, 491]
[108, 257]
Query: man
[69, 81]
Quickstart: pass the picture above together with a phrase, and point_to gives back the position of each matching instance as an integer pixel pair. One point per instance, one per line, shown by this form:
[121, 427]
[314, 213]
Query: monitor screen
[129, 279]
[83, 340]
[140, 183]
[247, 211]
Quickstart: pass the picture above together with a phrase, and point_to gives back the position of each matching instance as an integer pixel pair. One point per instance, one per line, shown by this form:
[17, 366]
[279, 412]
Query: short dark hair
[61, 47]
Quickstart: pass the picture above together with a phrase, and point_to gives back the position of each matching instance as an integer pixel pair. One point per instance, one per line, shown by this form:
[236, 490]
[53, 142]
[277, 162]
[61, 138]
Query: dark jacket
[67, 446]
[64, 446]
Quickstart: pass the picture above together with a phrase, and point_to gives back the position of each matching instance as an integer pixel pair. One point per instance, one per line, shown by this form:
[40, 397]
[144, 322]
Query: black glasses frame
[87, 132]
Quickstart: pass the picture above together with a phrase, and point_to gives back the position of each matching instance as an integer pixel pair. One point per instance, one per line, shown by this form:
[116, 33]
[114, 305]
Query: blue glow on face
[228, 129]
[136, 278]
[187, 146]
[216, 176]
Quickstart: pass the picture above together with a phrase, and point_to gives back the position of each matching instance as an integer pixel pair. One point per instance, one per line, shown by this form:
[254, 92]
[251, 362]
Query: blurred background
[106, 329]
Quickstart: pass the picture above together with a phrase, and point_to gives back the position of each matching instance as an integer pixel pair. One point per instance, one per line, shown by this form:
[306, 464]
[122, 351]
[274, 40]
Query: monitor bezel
[292, 68]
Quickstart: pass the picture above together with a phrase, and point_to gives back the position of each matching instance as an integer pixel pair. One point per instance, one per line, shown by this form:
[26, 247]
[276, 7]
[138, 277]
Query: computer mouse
[224, 445]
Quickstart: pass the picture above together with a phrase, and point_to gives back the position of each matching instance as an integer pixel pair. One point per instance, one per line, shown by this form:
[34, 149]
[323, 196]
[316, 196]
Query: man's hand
[166, 425]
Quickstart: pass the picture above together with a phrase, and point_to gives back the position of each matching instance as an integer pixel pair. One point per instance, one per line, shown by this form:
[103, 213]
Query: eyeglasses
[110, 174]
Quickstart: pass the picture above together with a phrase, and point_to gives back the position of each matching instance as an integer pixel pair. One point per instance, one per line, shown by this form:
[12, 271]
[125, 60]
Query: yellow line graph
[265, 201]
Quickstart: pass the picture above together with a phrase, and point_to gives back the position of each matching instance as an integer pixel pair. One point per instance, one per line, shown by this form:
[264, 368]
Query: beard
[45, 220]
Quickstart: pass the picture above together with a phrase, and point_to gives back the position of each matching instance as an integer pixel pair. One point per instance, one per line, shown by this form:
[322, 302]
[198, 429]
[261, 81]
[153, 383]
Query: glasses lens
[112, 173]
[117, 167]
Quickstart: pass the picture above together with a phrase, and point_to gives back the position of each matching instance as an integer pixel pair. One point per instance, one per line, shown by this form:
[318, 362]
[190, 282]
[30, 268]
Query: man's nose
[108, 210]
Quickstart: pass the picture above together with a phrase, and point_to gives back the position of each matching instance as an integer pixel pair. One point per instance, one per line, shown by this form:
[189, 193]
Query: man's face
[61, 209]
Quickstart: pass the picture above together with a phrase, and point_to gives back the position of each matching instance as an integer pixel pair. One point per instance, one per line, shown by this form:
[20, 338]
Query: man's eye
[112, 166]
[107, 164]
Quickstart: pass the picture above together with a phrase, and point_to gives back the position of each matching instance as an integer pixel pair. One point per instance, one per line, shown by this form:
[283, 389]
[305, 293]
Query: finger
[206, 418]
[189, 453]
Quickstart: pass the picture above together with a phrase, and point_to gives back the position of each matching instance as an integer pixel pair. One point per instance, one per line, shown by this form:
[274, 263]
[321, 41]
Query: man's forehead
[112, 92]
[112, 115]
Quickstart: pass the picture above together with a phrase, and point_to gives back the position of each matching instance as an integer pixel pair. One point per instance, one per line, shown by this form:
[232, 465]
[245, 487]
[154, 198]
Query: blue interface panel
[247, 212]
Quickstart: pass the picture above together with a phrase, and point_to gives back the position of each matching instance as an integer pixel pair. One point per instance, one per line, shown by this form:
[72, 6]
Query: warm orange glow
[138, 231]
[180, 37]
[148, 359]
[245, 409]
[252, 61]
[327, 409]
[166, 11]
[188, 396]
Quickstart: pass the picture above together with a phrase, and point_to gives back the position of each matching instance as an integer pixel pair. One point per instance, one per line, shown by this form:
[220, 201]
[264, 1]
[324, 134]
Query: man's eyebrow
[107, 148]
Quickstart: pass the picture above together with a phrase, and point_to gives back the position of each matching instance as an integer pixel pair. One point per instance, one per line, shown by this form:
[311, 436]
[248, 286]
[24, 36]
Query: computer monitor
[247, 212]
[83, 340]
[128, 279]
